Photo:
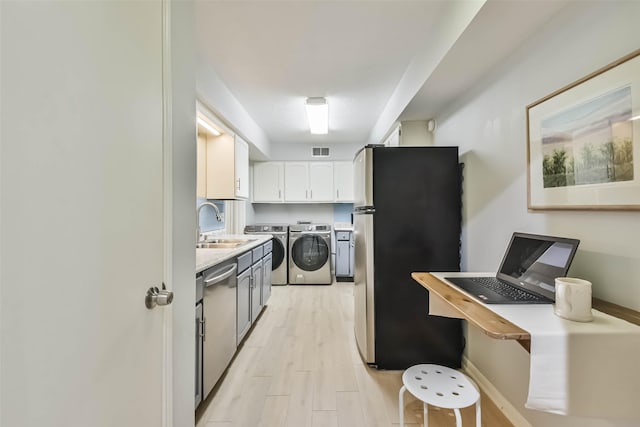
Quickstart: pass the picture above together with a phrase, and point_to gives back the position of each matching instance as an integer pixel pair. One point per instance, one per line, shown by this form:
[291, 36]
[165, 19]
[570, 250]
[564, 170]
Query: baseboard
[509, 411]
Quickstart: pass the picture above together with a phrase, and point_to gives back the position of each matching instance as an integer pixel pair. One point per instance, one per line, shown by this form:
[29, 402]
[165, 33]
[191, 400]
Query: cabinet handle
[311, 191]
[204, 329]
[306, 194]
[337, 194]
[238, 181]
[279, 194]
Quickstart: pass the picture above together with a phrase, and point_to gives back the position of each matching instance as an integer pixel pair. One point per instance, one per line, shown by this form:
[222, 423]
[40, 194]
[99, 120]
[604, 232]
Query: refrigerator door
[363, 296]
[363, 178]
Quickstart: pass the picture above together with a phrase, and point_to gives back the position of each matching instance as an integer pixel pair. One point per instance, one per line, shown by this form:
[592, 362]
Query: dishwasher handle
[209, 281]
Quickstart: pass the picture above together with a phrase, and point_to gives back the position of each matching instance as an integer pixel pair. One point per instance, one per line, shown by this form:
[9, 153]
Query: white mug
[573, 299]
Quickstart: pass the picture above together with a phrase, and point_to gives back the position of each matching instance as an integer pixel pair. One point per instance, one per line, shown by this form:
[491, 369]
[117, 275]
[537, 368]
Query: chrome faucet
[218, 217]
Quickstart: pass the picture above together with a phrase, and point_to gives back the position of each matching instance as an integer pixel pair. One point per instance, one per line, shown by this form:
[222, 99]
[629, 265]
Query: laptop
[527, 273]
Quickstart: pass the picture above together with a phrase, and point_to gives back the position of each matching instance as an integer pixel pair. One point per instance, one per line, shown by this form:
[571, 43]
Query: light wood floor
[300, 367]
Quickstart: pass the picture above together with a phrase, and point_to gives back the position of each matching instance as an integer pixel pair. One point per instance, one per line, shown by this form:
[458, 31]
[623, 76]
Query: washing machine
[280, 233]
[310, 254]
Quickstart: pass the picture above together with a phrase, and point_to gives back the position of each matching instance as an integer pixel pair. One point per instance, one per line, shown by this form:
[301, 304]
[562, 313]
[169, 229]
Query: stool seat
[439, 386]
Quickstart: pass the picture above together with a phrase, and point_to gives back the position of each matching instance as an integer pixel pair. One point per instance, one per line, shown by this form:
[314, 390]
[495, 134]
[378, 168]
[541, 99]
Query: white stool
[439, 386]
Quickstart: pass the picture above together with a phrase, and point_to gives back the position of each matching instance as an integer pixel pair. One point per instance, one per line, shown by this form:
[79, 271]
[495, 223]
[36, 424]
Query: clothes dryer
[280, 233]
[310, 254]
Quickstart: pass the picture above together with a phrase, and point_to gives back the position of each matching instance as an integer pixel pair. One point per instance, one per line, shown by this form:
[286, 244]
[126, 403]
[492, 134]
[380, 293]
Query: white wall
[215, 95]
[290, 213]
[415, 132]
[490, 128]
[302, 152]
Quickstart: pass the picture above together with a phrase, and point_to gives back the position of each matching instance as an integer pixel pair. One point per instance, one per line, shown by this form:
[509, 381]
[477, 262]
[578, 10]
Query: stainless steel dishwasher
[219, 306]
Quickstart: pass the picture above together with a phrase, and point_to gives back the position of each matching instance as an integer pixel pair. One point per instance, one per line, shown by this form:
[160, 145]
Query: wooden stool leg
[478, 415]
[458, 417]
[401, 405]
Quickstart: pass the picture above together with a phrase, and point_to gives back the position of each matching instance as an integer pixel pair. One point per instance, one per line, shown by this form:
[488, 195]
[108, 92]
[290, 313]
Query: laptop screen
[534, 261]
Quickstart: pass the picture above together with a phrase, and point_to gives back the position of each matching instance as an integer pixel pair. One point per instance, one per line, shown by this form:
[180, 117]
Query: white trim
[167, 189]
[509, 411]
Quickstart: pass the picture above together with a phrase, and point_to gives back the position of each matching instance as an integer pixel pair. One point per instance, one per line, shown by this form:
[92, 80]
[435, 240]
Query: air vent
[320, 152]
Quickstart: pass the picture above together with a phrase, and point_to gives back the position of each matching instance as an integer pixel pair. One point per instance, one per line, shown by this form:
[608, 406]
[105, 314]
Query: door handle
[157, 296]
[203, 324]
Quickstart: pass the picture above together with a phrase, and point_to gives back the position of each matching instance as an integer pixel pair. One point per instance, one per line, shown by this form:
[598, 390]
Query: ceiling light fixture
[208, 126]
[318, 115]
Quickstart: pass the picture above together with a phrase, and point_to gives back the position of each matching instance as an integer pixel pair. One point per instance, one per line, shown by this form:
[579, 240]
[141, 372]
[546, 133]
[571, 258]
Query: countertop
[206, 258]
[343, 226]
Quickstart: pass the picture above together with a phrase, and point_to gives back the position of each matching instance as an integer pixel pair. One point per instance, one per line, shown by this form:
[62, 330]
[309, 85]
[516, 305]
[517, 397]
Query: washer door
[277, 252]
[310, 252]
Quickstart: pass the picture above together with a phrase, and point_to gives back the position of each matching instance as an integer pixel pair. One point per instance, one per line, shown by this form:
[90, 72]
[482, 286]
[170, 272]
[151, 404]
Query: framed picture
[583, 142]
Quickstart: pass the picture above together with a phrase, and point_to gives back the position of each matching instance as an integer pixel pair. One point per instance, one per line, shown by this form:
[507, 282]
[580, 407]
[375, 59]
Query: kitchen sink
[223, 243]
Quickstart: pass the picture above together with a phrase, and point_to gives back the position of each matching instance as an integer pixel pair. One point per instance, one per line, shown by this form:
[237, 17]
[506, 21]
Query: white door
[296, 181]
[343, 181]
[321, 181]
[242, 167]
[268, 179]
[81, 214]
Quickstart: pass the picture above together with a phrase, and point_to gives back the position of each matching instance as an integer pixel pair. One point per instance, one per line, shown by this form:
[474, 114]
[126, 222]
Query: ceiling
[374, 61]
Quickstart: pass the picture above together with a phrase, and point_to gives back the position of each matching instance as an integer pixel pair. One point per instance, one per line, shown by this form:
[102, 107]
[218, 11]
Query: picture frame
[583, 142]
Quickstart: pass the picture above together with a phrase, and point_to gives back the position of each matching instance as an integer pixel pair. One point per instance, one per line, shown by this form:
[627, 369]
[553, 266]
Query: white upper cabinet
[303, 182]
[227, 167]
[268, 182]
[242, 168]
[308, 182]
[320, 181]
[296, 182]
[343, 181]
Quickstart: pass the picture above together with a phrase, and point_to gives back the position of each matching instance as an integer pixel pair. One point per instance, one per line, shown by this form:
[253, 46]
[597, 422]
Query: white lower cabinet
[243, 297]
[253, 287]
[256, 288]
[267, 265]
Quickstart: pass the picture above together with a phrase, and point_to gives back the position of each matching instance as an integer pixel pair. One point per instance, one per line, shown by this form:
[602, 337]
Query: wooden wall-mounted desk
[449, 301]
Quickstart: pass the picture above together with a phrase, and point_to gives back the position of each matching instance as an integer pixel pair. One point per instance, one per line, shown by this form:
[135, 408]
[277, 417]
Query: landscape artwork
[589, 143]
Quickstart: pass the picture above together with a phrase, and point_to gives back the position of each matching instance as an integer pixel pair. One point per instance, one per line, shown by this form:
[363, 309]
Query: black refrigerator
[407, 217]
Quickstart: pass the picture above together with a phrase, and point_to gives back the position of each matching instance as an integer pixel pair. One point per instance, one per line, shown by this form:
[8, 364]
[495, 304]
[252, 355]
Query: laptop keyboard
[505, 290]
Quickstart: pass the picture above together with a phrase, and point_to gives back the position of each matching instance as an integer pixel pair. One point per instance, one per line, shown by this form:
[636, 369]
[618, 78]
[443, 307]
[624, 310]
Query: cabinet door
[342, 258]
[256, 288]
[201, 166]
[199, 335]
[343, 181]
[296, 182]
[321, 181]
[241, 168]
[221, 167]
[267, 264]
[268, 179]
[243, 304]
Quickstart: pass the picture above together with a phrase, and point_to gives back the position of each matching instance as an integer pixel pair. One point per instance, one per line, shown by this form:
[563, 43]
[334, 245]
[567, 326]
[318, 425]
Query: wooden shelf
[456, 303]
[475, 313]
